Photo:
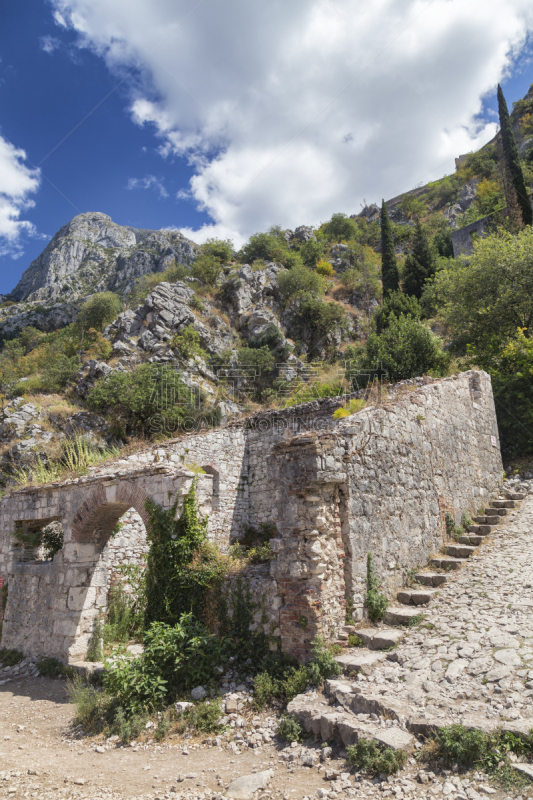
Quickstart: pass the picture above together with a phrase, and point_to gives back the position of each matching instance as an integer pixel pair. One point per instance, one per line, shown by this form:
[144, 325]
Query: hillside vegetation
[152, 335]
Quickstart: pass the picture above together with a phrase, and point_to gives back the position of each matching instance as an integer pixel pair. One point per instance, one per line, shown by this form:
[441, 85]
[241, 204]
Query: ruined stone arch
[98, 515]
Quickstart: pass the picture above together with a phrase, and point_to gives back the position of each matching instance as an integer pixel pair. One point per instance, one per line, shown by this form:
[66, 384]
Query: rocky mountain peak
[92, 253]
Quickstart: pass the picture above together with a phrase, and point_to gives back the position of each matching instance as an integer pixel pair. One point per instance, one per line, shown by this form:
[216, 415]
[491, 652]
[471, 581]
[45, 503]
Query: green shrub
[53, 668]
[10, 658]
[128, 727]
[396, 304]
[125, 612]
[375, 602]
[99, 311]
[474, 749]
[354, 640]
[322, 664]
[175, 659]
[149, 398]
[299, 280]
[269, 246]
[405, 349]
[58, 372]
[314, 322]
[94, 651]
[207, 269]
[296, 681]
[204, 717]
[259, 366]
[222, 249]
[173, 586]
[368, 755]
[266, 689]
[52, 540]
[290, 730]
[340, 228]
[187, 343]
[92, 704]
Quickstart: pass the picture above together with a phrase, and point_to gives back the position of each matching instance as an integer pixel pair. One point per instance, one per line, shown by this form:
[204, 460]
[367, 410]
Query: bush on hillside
[99, 311]
[340, 228]
[316, 324]
[298, 280]
[405, 349]
[485, 298]
[150, 395]
[396, 304]
[219, 248]
[207, 269]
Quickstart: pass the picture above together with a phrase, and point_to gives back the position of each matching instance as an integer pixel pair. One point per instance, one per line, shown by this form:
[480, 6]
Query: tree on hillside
[485, 299]
[515, 187]
[419, 265]
[101, 309]
[389, 267]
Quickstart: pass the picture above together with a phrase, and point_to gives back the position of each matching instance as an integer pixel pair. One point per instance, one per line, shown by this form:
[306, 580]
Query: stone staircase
[344, 710]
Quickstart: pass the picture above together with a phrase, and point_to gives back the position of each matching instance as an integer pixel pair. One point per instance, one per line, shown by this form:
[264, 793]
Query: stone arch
[98, 515]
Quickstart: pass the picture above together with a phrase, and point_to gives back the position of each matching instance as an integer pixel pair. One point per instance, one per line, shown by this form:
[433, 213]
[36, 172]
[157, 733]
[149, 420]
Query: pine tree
[389, 267]
[512, 162]
[419, 264]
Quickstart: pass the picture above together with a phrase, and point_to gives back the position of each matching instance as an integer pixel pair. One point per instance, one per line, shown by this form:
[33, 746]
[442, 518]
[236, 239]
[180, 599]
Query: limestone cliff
[92, 253]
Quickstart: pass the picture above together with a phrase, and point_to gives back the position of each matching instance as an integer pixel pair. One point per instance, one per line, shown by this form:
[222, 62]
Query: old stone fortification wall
[379, 481]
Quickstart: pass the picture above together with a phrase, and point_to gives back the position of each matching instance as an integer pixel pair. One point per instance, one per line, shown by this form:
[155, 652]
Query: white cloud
[292, 111]
[148, 182]
[17, 183]
[49, 44]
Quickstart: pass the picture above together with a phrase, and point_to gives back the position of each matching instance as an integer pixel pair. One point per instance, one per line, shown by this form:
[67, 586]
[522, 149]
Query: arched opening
[116, 535]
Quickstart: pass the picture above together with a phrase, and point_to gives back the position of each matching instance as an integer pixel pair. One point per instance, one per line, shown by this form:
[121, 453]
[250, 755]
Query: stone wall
[377, 481]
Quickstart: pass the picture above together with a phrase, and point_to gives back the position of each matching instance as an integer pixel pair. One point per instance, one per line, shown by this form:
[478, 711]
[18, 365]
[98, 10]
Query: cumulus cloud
[148, 182]
[17, 183]
[292, 111]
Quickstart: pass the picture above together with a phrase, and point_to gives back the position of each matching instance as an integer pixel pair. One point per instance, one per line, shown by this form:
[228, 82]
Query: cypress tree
[419, 264]
[512, 162]
[389, 267]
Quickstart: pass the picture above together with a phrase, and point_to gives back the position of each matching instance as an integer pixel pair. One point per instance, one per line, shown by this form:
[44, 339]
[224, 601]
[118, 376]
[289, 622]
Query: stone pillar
[310, 553]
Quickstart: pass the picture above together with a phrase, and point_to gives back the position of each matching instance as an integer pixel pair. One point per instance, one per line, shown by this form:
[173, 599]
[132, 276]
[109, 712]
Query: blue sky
[266, 134]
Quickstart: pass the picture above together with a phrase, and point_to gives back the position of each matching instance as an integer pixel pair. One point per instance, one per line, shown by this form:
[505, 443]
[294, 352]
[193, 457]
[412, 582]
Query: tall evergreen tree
[389, 267]
[512, 162]
[419, 264]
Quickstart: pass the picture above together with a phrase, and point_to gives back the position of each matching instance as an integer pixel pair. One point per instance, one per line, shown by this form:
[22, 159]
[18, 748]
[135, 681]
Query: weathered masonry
[380, 480]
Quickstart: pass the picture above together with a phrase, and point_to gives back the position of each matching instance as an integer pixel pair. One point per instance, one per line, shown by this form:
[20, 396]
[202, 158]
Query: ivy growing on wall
[182, 565]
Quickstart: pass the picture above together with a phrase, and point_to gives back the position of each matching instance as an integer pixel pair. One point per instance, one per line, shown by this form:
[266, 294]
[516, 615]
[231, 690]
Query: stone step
[479, 530]
[360, 661]
[459, 550]
[379, 638]
[339, 722]
[473, 539]
[514, 495]
[431, 578]
[504, 504]
[333, 715]
[415, 597]
[484, 520]
[400, 615]
[495, 512]
[446, 562]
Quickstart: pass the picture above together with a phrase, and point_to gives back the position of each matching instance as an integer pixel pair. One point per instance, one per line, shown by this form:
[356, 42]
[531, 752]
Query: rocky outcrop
[92, 253]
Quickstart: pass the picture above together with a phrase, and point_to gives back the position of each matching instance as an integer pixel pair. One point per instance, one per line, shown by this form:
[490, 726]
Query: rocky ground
[470, 660]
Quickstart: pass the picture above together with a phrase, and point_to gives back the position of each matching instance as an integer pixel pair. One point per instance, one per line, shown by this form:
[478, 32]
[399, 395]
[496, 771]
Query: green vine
[182, 566]
[375, 602]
